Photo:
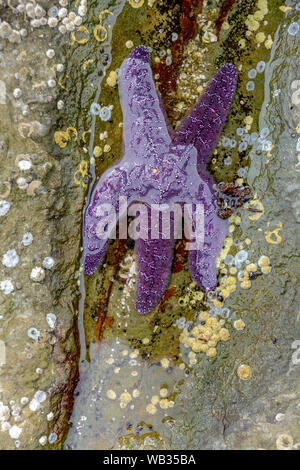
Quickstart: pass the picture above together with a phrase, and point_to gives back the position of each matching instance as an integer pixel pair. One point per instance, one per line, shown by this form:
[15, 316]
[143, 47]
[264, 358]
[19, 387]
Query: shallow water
[143, 388]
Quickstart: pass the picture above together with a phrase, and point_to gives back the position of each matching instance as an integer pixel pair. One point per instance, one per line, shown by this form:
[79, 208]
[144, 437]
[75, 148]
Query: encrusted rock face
[40, 215]
[202, 370]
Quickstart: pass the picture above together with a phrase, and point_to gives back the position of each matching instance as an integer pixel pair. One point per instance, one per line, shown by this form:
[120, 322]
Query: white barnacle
[40, 396]
[33, 333]
[27, 239]
[10, 259]
[105, 113]
[25, 165]
[4, 207]
[6, 286]
[95, 108]
[51, 319]
[261, 66]
[293, 29]
[24, 401]
[48, 262]
[34, 405]
[37, 274]
[43, 440]
[4, 412]
[15, 432]
[52, 438]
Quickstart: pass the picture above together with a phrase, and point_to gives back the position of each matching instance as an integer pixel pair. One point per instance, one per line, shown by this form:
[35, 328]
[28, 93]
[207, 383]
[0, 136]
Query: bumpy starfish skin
[160, 166]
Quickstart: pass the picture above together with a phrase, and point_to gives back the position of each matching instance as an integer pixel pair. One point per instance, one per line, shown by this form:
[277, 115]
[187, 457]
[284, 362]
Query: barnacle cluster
[205, 335]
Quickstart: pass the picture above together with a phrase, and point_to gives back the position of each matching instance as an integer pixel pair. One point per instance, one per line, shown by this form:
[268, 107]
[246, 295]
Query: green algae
[210, 399]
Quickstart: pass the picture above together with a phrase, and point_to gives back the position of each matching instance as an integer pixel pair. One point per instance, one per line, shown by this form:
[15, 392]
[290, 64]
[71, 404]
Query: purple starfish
[160, 166]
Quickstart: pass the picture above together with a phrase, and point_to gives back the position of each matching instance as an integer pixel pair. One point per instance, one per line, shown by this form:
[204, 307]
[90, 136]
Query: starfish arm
[154, 262]
[145, 127]
[102, 210]
[202, 261]
[203, 125]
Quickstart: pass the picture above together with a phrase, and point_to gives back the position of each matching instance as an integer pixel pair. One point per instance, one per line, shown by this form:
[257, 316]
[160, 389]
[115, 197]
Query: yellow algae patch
[252, 21]
[259, 206]
[145, 340]
[244, 372]
[136, 393]
[151, 409]
[83, 40]
[97, 151]
[251, 268]
[213, 323]
[164, 403]
[260, 37]
[83, 170]
[273, 237]
[266, 269]
[245, 276]
[192, 357]
[264, 263]
[248, 121]
[129, 44]
[258, 15]
[61, 138]
[284, 8]
[239, 324]
[163, 392]
[204, 316]
[107, 148]
[204, 337]
[242, 43]
[192, 297]
[165, 363]
[224, 334]
[269, 42]
[245, 284]
[228, 242]
[86, 63]
[211, 352]
[155, 399]
[227, 286]
[111, 394]
[112, 78]
[134, 354]
[125, 398]
[263, 6]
